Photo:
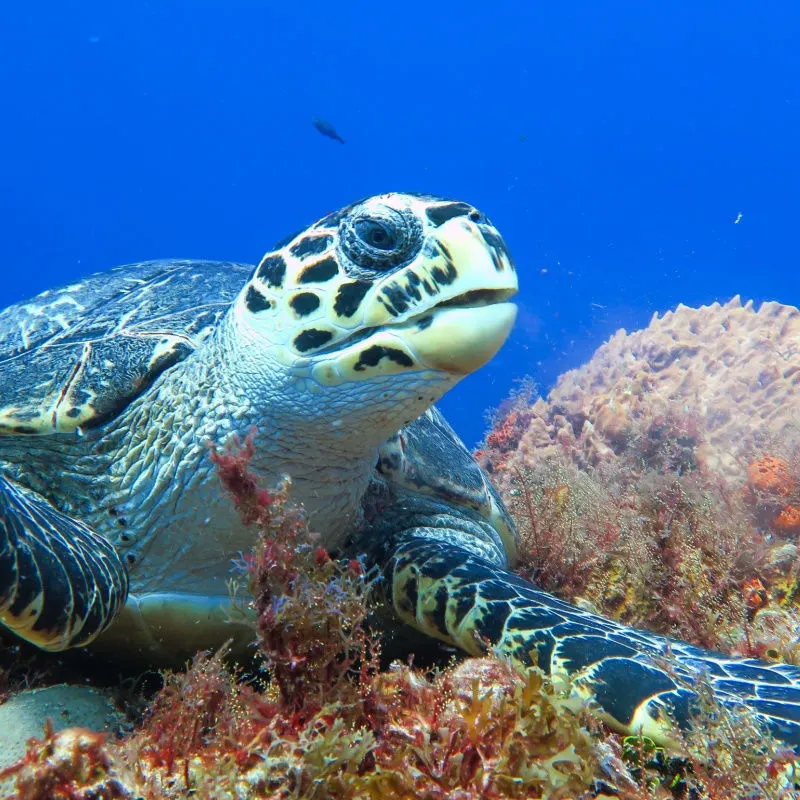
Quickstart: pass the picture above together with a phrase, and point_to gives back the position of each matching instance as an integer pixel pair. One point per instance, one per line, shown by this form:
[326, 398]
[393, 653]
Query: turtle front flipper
[61, 584]
[446, 578]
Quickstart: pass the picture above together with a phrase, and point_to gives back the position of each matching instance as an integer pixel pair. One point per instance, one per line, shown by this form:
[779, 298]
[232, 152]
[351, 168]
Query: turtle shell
[74, 358]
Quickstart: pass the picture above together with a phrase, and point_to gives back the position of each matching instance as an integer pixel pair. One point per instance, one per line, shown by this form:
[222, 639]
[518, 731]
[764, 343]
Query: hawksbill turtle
[113, 528]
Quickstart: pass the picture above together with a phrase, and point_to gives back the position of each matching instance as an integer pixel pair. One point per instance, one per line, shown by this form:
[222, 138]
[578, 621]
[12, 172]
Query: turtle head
[386, 304]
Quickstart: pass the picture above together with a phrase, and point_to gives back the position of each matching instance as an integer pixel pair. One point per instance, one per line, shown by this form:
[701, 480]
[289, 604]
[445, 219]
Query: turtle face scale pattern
[394, 284]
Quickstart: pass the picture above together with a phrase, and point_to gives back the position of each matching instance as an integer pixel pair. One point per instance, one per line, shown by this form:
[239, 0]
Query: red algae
[664, 552]
[74, 764]
[254, 503]
[310, 609]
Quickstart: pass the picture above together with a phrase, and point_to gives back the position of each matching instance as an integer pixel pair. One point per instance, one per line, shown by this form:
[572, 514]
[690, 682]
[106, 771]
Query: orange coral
[772, 475]
[754, 594]
[505, 435]
[787, 520]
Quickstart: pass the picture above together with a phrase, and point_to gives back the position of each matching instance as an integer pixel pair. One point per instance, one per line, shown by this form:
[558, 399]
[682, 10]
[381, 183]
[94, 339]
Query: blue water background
[615, 144]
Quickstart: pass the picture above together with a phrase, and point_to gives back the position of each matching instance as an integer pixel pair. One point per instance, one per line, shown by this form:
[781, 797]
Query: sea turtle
[336, 346]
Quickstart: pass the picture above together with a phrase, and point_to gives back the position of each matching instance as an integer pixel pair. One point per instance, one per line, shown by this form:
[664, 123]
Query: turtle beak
[461, 339]
[470, 325]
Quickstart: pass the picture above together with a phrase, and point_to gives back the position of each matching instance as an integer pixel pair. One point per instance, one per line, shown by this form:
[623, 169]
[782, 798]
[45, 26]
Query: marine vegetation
[656, 540]
[323, 717]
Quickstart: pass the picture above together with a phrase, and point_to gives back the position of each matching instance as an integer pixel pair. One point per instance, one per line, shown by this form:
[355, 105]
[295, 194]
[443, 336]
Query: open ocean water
[634, 154]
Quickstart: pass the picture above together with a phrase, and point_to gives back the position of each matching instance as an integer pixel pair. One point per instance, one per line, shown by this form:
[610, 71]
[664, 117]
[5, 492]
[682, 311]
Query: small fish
[326, 129]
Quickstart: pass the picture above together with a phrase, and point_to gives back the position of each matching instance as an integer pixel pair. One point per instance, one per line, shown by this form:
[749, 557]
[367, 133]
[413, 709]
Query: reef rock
[726, 378]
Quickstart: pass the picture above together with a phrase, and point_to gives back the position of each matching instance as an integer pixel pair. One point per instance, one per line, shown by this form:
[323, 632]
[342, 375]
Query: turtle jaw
[451, 338]
[461, 339]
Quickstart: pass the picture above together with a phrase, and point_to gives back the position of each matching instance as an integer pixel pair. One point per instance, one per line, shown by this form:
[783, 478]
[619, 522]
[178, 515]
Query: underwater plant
[310, 609]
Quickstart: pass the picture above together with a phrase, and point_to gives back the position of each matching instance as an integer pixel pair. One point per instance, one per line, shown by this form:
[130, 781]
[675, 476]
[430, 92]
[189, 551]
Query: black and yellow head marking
[349, 297]
[256, 301]
[392, 284]
[305, 303]
[320, 271]
[440, 213]
[271, 270]
[311, 244]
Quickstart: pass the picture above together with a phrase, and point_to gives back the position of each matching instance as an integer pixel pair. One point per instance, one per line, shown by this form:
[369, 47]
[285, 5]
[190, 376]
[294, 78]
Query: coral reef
[728, 371]
[477, 730]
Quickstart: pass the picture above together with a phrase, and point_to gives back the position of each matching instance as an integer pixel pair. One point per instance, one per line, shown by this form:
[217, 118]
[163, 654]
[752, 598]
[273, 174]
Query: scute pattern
[75, 357]
[322, 278]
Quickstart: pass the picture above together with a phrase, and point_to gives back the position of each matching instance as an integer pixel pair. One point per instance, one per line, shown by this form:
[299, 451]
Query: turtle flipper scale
[61, 584]
[450, 592]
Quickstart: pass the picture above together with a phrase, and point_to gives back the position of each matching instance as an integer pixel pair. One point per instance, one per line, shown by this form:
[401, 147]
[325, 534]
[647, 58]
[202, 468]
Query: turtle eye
[380, 238]
[375, 234]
